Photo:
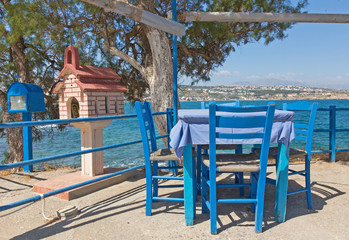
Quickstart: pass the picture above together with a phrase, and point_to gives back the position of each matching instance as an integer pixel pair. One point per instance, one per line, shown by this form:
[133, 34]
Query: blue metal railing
[332, 130]
[168, 113]
[55, 192]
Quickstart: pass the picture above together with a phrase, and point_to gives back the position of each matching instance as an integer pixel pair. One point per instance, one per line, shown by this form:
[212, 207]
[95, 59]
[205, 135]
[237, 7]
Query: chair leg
[198, 167]
[253, 190]
[239, 179]
[204, 189]
[307, 180]
[260, 202]
[149, 189]
[195, 190]
[173, 170]
[155, 181]
[240, 176]
[213, 201]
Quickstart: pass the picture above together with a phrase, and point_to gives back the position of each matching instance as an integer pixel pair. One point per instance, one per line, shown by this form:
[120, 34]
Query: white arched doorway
[73, 108]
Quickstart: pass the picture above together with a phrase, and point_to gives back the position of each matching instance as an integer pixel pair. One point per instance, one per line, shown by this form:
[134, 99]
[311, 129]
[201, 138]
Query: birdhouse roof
[90, 78]
[100, 86]
[90, 72]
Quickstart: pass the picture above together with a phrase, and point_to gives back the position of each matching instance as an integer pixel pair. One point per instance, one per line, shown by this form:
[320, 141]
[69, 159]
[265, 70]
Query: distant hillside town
[250, 92]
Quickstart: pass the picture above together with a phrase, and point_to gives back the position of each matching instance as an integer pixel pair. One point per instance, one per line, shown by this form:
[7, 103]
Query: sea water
[124, 130]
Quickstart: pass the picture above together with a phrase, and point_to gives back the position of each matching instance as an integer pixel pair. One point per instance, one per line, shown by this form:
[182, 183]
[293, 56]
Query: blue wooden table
[192, 129]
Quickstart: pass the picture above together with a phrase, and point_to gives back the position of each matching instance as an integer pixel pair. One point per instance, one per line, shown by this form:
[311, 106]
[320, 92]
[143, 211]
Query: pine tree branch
[113, 50]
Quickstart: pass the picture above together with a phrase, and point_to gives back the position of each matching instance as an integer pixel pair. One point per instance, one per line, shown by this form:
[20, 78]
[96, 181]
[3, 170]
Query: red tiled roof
[90, 78]
[90, 72]
[100, 86]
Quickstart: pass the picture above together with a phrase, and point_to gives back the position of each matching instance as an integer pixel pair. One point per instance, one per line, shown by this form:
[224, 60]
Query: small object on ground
[67, 212]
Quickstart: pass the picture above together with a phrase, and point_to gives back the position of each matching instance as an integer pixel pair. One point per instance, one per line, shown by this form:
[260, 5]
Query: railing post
[332, 144]
[27, 141]
[174, 60]
[169, 115]
[170, 124]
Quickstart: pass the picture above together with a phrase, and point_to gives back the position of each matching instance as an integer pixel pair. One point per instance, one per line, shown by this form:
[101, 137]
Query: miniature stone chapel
[88, 91]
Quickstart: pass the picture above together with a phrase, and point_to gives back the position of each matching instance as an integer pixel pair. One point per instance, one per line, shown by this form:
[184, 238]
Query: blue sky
[313, 54]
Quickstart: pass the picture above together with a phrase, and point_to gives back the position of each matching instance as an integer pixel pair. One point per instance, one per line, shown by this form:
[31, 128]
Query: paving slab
[77, 177]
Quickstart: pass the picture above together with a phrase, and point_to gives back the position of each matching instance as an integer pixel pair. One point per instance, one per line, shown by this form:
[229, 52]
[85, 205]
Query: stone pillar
[92, 137]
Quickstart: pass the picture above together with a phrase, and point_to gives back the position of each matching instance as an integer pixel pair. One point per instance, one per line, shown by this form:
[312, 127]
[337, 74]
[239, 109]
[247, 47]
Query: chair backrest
[204, 105]
[223, 116]
[147, 127]
[304, 130]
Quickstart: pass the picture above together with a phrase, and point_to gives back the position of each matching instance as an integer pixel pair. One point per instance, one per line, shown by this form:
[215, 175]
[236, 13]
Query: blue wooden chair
[304, 127]
[249, 163]
[239, 177]
[152, 155]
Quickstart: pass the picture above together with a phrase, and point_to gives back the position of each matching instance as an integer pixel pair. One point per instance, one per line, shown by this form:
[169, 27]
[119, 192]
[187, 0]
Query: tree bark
[157, 68]
[22, 65]
[14, 135]
[159, 76]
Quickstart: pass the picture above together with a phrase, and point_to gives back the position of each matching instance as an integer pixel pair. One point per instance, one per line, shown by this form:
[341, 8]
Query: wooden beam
[263, 17]
[140, 15]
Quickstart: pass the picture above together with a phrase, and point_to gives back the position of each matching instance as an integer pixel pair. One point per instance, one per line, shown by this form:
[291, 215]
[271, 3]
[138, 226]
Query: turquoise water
[127, 130]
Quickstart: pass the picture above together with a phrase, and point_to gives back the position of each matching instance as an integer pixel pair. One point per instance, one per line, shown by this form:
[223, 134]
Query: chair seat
[221, 146]
[235, 162]
[164, 154]
[273, 151]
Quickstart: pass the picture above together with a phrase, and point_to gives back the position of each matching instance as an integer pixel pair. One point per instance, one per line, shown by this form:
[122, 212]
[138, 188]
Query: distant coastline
[248, 92]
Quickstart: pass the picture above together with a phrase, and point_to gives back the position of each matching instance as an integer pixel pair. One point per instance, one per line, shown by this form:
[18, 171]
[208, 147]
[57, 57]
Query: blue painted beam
[332, 136]
[168, 199]
[242, 200]
[321, 151]
[168, 178]
[174, 59]
[342, 130]
[65, 121]
[342, 150]
[45, 159]
[27, 141]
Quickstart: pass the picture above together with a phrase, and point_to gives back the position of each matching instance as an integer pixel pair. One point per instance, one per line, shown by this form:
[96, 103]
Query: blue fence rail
[332, 130]
[168, 113]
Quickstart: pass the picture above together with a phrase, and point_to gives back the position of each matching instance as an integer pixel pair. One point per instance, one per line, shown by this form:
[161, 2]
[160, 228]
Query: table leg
[189, 177]
[281, 183]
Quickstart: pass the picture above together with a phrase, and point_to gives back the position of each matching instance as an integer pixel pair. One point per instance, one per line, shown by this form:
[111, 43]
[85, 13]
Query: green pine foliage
[44, 28]
[35, 33]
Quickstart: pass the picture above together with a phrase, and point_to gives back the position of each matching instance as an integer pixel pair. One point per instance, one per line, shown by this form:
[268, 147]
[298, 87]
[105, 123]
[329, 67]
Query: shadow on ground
[229, 215]
[100, 210]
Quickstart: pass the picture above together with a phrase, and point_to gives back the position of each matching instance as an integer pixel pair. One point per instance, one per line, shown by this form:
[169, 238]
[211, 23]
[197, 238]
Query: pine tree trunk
[157, 69]
[14, 135]
[160, 76]
[22, 64]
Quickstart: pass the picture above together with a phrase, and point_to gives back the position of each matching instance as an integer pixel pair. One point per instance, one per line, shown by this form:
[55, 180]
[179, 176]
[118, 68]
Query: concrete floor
[118, 212]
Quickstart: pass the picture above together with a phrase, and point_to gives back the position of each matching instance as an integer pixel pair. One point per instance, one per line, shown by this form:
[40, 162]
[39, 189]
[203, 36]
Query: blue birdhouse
[25, 97]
